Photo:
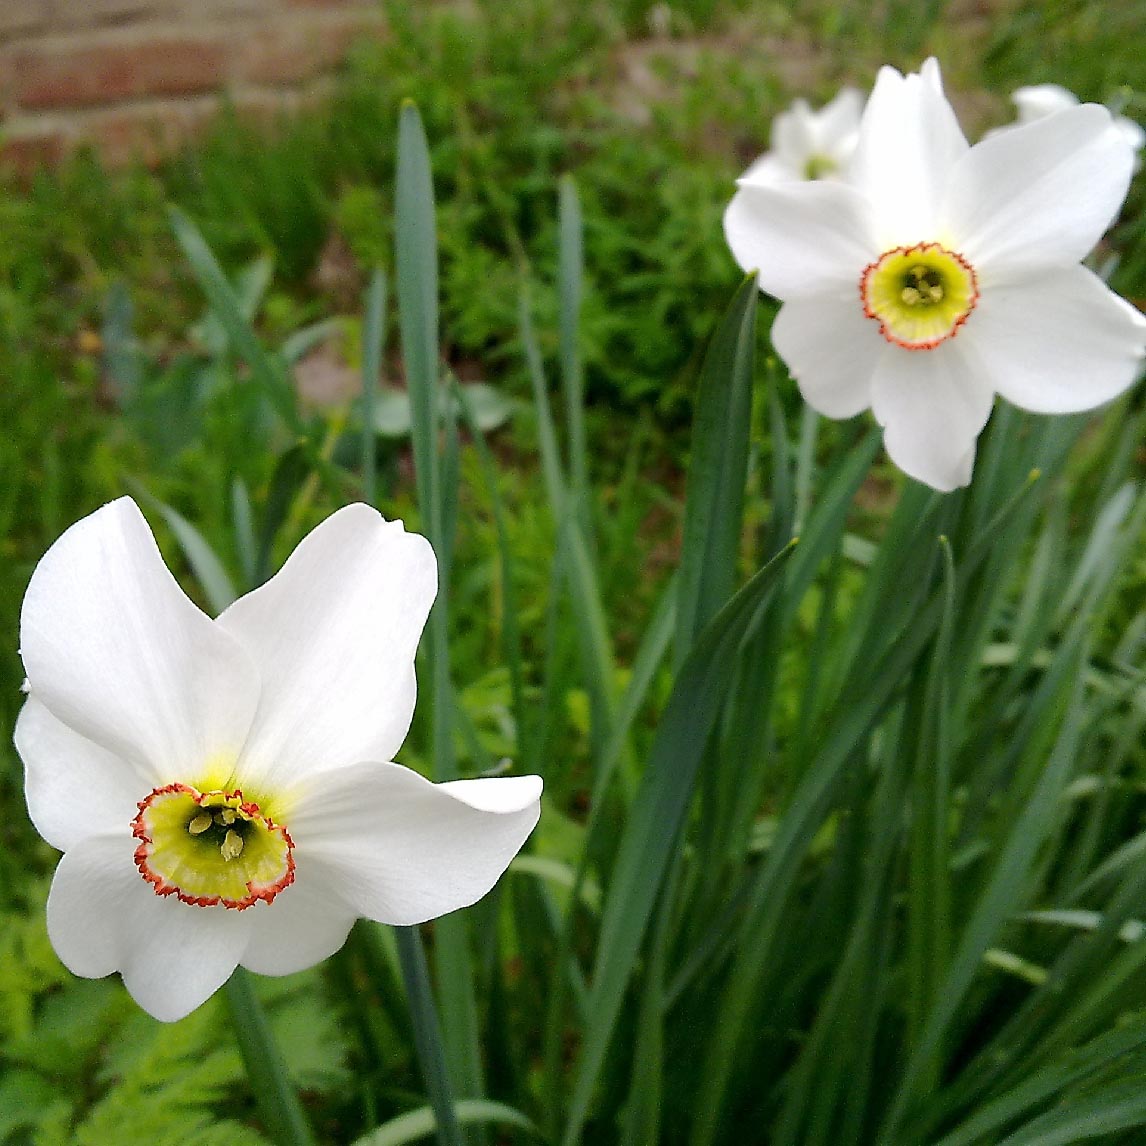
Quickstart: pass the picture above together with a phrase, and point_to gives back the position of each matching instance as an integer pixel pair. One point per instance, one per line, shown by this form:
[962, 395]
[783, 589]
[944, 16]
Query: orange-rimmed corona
[919, 295]
[211, 848]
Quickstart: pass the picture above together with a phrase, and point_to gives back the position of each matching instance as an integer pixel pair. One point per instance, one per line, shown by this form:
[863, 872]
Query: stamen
[232, 846]
[200, 823]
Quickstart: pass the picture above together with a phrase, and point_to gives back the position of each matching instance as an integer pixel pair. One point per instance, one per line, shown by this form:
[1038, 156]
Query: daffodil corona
[919, 295]
[934, 275]
[209, 848]
[222, 790]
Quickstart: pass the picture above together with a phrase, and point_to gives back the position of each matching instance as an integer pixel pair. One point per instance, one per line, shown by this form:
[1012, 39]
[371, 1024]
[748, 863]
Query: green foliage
[164, 1086]
[31, 967]
[81, 1065]
[1092, 48]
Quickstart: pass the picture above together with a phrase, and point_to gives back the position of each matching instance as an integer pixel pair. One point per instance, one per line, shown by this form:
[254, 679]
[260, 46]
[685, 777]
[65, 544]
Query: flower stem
[278, 1102]
[428, 1035]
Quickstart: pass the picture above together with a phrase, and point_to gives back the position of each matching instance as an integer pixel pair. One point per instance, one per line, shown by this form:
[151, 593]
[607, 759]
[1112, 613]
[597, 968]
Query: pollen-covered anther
[200, 823]
[211, 848]
[920, 295]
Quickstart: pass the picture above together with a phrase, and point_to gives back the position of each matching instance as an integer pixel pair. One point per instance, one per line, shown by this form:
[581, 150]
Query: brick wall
[135, 77]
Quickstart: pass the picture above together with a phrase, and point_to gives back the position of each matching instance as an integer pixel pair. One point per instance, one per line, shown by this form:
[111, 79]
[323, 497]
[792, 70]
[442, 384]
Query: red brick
[7, 78]
[325, 4]
[150, 132]
[266, 107]
[26, 153]
[21, 15]
[86, 75]
[291, 51]
[144, 133]
[81, 14]
[201, 10]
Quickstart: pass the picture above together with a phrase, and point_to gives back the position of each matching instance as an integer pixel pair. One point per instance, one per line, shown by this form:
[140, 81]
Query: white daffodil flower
[222, 790]
[937, 275]
[809, 144]
[1040, 100]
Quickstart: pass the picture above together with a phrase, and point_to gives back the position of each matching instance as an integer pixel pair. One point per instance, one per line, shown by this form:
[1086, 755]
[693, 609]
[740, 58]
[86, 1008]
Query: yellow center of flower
[819, 167]
[211, 848]
[919, 295]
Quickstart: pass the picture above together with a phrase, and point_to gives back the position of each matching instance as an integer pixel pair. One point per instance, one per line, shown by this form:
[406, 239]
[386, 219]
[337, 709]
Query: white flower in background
[938, 274]
[222, 790]
[1041, 100]
[809, 144]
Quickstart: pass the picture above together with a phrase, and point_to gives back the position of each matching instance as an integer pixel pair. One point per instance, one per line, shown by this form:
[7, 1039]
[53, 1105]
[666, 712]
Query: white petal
[932, 405]
[1038, 195]
[831, 349]
[802, 238]
[1039, 100]
[1057, 344]
[504, 795]
[115, 650]
[103, 917]
[1132, 133]
[801, 135]
[406, 850]
[839, 120]
[794, 135]
[334, 635]
[768, 169]
[908, 144]
[74, 788]
[306, 923]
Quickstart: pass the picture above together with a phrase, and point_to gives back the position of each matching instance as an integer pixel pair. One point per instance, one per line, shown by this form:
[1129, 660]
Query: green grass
[933, 723]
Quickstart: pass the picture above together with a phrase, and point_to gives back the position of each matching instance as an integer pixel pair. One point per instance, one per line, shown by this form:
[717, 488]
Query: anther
[232, 846]
[225, 816]
[910, 295]
[200, 823]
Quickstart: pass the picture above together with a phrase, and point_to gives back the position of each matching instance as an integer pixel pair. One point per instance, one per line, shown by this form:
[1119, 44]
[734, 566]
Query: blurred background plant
[959, 720]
